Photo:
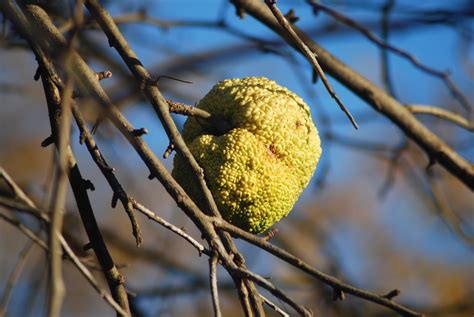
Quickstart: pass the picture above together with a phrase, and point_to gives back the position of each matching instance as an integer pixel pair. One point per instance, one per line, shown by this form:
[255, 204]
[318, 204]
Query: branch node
[88, 184]
[120, 279]
[103, 74]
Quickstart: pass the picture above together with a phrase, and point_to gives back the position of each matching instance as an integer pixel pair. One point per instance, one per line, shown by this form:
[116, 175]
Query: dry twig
[443, 114]
[311, 56]
[444, 76]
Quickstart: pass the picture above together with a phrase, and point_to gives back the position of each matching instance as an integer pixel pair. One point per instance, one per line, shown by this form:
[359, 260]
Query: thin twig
[444, 76]
[108, 172]
[301, 265]
[213, 282]
[384, 57]
[312, 57]
[212, 121]
[23, 198]
[258, 279]
[443, 114]
[90, 278]
[392, 168]
[275, 307]
[153, 216]
[446, 212]
[58, 201]
[14, 275]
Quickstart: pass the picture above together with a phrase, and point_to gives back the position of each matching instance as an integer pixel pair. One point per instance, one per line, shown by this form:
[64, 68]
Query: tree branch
[444, 76]
[437, 150]
[310, 56]
[308, 269]
[443, 114]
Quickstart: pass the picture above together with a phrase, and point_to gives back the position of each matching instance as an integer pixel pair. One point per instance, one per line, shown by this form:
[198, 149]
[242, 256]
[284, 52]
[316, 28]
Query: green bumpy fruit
[257, 170]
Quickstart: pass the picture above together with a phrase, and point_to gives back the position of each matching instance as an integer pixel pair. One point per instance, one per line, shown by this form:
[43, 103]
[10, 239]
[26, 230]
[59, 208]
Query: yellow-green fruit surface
[258, 169]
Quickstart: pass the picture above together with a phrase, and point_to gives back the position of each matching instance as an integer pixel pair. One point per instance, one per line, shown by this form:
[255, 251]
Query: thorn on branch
[151, 176]
[393, 293]
[115, 198]
[48, 141]
[291, 16]
[87, 246]
[168, 151]
[139, 132]
[431, 162]
[137, 233]
[155, 82]
[337, 294]
[37, 75]
[89, 185]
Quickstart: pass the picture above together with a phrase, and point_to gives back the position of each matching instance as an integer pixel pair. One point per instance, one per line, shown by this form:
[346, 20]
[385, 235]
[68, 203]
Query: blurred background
[373, 215]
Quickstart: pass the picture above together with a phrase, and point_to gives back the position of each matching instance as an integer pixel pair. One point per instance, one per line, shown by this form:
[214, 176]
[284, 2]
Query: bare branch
[108, 172]
[153, 216]
[312, 57]
[14, 275]
[443, 114]
[301, 265]
[23, 198]
[145, 81]
[90, 278]
[213, 282]
[444, 76]
[275, 307]
[57, 289]
[212, 121]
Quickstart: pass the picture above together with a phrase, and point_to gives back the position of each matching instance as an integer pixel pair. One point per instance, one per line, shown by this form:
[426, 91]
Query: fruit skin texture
[258, 169]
